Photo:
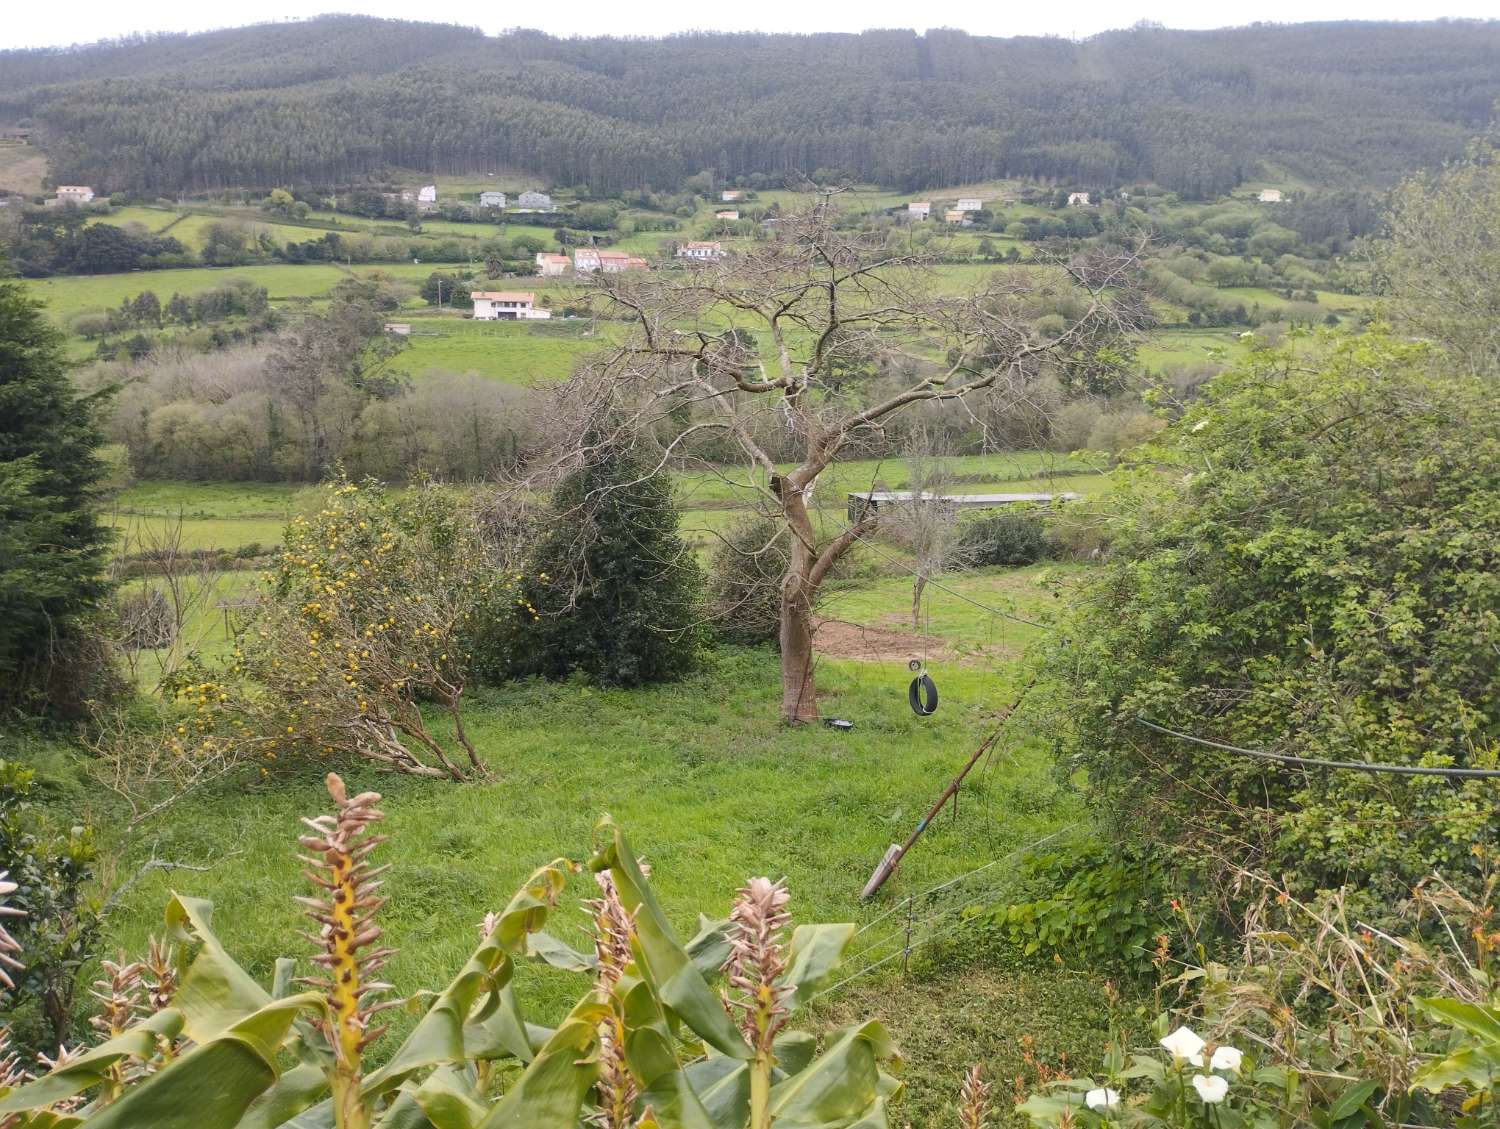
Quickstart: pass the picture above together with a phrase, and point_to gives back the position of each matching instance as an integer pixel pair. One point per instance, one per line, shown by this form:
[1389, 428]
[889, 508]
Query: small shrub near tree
[1010, 537]
[744, 580]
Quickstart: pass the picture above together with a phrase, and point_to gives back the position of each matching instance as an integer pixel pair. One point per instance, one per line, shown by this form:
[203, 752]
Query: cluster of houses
[959, 213]
[596, 260]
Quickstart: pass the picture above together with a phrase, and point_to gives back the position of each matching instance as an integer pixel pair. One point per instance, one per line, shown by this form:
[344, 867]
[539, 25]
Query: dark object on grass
[923, 695]
[838, 723]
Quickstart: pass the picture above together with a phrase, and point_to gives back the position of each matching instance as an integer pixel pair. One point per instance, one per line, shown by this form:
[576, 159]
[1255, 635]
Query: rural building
[399, 328]
[1078, 199]
[1269, 196]
[427, 194]
[729, 195]
[587, 260]
[492, 199]
[702, 252]
[970, 204]
[919, 209]
[506, 305]
[727, 214]
[74, 193]
[634, 262]
[956, 215]
[864, 502]
[536, 201]
[550, 266]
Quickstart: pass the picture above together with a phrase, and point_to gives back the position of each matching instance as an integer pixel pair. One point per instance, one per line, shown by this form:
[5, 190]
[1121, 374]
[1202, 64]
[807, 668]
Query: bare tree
[926, 524]
[808, 344]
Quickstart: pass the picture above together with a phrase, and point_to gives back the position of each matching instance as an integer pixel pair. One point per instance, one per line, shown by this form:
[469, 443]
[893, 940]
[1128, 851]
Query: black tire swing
[922, 694]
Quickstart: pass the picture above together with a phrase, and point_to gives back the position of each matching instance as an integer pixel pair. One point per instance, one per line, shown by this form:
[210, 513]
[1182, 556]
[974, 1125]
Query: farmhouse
[727, 214]
[970, 204]
[427, 194]
[919, 209]
[506, 305]
[74, 193]
[587, 260]
[492, 199]
[703, 252]
[729, 195]
[1078, 199]
[549, 265]
[536, 201]
[956, 215]
[1269, 196]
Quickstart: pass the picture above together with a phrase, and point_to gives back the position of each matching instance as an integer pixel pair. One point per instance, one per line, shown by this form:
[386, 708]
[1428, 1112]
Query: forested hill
[340, 99]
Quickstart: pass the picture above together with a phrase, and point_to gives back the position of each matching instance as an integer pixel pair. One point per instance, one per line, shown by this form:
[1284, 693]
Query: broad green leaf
[502, 1033]
[449, 1101]
[794, 1050]
[816, 951]
[1472, 1066]
[709, 948]
[550, 1092]
[660, 958]
[212, 1085]
[1476, 1019]
[723, 1086]
[549, 950]
[298, 1089]
[651, 1054]
[439, 1036]
[91, 1068]
[216, 992]
[840, 1085]
[1350, 1100]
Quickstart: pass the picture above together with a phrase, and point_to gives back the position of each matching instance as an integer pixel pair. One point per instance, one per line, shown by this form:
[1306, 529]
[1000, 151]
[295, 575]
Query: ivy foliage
[1305, 563]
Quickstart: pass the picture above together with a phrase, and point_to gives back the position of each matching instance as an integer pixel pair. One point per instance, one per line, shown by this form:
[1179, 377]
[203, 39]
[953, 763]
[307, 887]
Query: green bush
[51, 867]
[1095, 907]
[1004, 537]
[611, 589]
[744, 580]
[1311, 565]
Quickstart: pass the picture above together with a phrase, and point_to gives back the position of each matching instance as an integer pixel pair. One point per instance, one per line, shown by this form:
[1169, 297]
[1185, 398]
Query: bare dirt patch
[840, 639]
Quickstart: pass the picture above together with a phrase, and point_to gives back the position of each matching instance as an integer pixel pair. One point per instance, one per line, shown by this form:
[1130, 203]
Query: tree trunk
[799, 691]
[918, 583]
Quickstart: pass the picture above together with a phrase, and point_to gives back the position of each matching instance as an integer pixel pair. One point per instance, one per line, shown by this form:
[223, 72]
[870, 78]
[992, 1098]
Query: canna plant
[192, 1041]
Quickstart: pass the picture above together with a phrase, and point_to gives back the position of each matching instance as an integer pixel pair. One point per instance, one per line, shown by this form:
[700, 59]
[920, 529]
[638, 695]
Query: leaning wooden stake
[894, 853]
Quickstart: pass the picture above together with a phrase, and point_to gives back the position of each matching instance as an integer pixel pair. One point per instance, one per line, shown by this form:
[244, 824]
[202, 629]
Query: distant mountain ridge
[339, 99]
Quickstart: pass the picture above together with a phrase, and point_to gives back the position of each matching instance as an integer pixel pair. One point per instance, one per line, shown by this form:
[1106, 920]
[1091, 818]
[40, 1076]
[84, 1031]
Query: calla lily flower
[1211, 1088]
[1226, 1058]
[1104, 1098]
[1183, 1044]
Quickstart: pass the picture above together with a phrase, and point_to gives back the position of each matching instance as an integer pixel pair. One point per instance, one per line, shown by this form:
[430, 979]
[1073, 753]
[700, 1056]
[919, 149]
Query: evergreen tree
[616, 590]
[52, 545]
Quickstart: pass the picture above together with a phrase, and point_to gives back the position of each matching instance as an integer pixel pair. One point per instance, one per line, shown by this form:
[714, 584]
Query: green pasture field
[68, 295]
[711, 790]
[1192, 346]
[511, 352]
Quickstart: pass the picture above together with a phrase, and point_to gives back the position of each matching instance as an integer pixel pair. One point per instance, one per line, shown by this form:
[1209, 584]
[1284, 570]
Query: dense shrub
[1309, 566]
[617, 592]
[744, 580]
[51, 868]
[1004, 537]
[1097, 906]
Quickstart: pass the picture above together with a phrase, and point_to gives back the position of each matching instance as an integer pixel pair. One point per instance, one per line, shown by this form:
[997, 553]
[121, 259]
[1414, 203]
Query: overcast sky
[28, 23]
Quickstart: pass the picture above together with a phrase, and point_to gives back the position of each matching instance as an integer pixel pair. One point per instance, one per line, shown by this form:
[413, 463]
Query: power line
[1316, 762]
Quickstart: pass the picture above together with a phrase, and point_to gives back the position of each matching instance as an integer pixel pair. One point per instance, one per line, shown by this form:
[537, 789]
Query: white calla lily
[1103, 1098]
[1183, 1044]
[1211, 1088]
[1226, 1058]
